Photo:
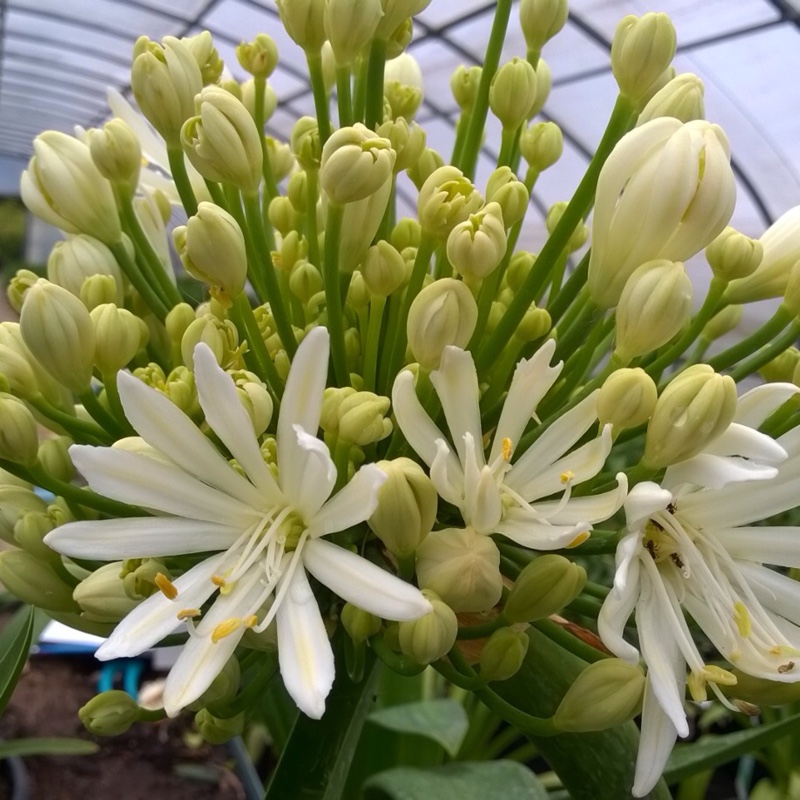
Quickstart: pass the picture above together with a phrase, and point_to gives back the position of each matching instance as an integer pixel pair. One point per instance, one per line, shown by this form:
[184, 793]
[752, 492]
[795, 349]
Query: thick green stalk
[372, 344]
[245, 320]
[333, 297]
[344, 97]
[81, 430]
[98, 413]
[375, 67]
[233, 204]
[562, 303]
[314, 61]
[312, 234]
[270, 186]
[139, 281]
[766, 354]
[508, 143]
[177, 167]
[112, 393]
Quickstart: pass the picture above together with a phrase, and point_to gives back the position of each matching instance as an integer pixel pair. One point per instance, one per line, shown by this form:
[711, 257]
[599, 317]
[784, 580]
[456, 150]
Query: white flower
[264, 529]
[690, 546]
[493, 494]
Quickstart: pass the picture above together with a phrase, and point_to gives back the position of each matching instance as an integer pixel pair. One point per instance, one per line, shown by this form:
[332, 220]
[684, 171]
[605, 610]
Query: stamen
[226, 628]
[578, 540]
[507, 448]
[567, 476]
[167, 587]
[741, 617]
[188, 613]
[718, 675]
[250, 621]
[697, 687]
[217, 580]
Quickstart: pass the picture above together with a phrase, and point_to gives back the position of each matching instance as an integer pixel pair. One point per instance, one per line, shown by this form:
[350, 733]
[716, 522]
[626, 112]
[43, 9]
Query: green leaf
[443, 720]
[479, 780]
[51, 746]
[711, 751]
[15, 642]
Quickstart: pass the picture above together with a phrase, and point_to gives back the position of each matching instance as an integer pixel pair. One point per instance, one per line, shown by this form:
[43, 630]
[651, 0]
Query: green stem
[375, 68]
[112, 393]
[344, 97]
[402, 665]
[99, 413]
[562, 302]
[177, 167]
[766, 354]
[508, 141]
[314, 61]
[81, 430]
[571, 643]
[461, 136]
[245, 320]
[270, 186]
[333, 297]
[483, 630]
[312, 234]
[233, 203]
[372, 344]
[138, 280]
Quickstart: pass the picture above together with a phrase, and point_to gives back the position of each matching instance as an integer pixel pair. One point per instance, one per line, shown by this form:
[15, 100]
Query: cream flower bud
[359, 624]
[791, 297]
[220, 336]
[502, 656]
[682, 98]
[428, 163]
[476, 246]
[627, 399]
[57, 329]
[443, 313]
[19, 440]
[55, 460]
[223, 142]
[544, 84]
[35, 582]
[781, 243]
[383, 269]
[462, 567]
[18, 287]
[406, 509]
[305, 281]
[259, 57]
[428, 638]
[281, 158]
[355, 164]
[782, 368]
[109, 713]
[408, 141]
[721, 323]
[541, 145]
[395, 12]
[255, 398]
[362, 418]
[445, 199]
[360, 225]
[512, 93]
[63, 186]
[117, 153]
[350, 26]
[297, 191]
[303, 20]
[165, 80]
[577, 238]
[99, 289]
[102, 597]
[509, 193]
[400, 39]
[29, 532]
[79, 257]
[655, 304]
[282, 215]
[607, 693]
[544, 587]
[695, 408]
[211, 248]
[633, 224]
[206, 55]
[540, 21]
[535, 324]
[117, 337]
[464, 84]
[733, 255]
[641, 50]
[305, 143]
[402, 86]
[247, 94]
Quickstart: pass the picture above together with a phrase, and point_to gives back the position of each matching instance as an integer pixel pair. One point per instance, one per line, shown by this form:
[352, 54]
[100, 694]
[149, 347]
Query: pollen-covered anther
[250, 621]
[578, 540]
[508, 449]
[188, 613]
[698, 679]
[218, 580]
[166, 586]
[226, 628]
[741, 617]
[566, 476]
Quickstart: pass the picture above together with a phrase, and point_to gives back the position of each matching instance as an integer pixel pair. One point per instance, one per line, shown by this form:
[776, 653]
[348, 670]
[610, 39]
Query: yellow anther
[741, 617]
[250, 622]
[507, 448]
[718, 675]
[188, 613]
[217, 580]
[697, 687]
[567, 476]
[579, 539]
[166, 585]
[226, 628]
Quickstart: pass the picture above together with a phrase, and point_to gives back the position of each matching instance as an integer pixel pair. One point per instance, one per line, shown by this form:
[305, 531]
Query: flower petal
[307, 474]
[355, 502]
[740, 440]
[528, 530]
[753, 407]
[643, 501]
[592, 509]
[714, 472]
[621, 600]
[779, 545]
[363, 583]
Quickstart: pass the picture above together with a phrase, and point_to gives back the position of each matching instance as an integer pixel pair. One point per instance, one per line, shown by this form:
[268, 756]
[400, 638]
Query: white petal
[304, 652]
[456, 383]
[363, 583]
[774, 591]
[356, 502]
[152, 484]
[644, 500]
[139, 537]
[156, 617]
[621, 600]
[307, 474]
[418, 428]
[714, 472]
[592, 509]
[226, 415]
[753, 407]
[739, 440]
[153, 147]
[528, 530]
[778, 545]
[447, 474]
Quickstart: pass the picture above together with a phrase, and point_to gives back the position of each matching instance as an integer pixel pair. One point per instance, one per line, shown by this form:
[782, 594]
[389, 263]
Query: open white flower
[493, 494]
[264, 529]
[690, 546]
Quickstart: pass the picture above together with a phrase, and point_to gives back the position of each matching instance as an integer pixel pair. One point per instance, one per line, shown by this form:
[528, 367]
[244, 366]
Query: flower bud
[395, 12]
[117, 337]
[383, 269]
[218, 730]
[544, 587]
[535, 324]
[221, 337]
[733, 255]
[509, 193]
[544, 84]
[682, 98]
[476, 246]
[791, 296]
[359, 624]
[577, 238]
[35, 582]
[259, 57]
[223, 142]
[63, 186]
[102, 597]
[402, 86]
[362, 419]
[502, 656]
[408, 141]
[151, 218]
[512, 93]
[282, 215]
[655, 305]
[632, 224]
[694, 409]
[721, 323]
[255, 398]
[305, 281]
[211, 248]
[117, 153]
[443, 313]
[281, 159]
[607, 693]
[109, 713]
[445, 199]
[641, 50]
[406, 233]
[99, 289]
[464, 84]
[627, 399]
[428, 638]
[541, 145]
[15, 502]
[19, 440]
[223, 688]
[58, 331]
[206, 55]
[54, 458]
[428, 163]
[462, 567]
[762, 692]
[350, 26]
[400, 39]
[29, 533]
[303, 20]
[179, 318]
[782, 368]
[18, 287]
[305, 143]
[540, 21]
[165, 79]
[360, 224]
[355, 164]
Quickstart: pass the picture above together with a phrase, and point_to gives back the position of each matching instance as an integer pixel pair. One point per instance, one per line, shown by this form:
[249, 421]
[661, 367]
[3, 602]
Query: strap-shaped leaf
[15, 642]
[48, 746]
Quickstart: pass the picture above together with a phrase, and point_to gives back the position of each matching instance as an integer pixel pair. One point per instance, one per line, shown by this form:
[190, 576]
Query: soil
[163, 761]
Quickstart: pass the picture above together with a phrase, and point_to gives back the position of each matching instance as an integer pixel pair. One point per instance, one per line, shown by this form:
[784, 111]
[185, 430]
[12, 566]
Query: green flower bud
[62, 186]
[102, 596]
[223, 142]
[534, 325]
[445, 199]
[544, 587]
[464, 84]
[642, 49]
[428, 638]
[406, 233]
[179, 318]
[206, 55]
[509, 193]
[762, 692]
[25, 375]
[297, 191]
[782, 368]
[360, 225]
[303, 20]
[400, 39]
[218, 730]
[402, 86]
[395, 12]
[259, 57]
[694, 409]
[355, 164]
[305, 281]
[19, 439]
[350, 26]
[443, 313]
[540, 21]
[512, 93]
[255, 398]
[54, 458]
[655, 305]
[222, 689]
[29, 532]
[519, 266]
[721, 323]
[281, 159]
[791, 295]
[211, 248]
[577, 238]
[247, 94]
[139, 575]
[117, 337]
[358, 295]
[408, 141]
[35, 582]
[544, 83]
[476, 246]
[428, 163]
[117, 153]
[109, 713]
[502, 656]
[58, 331]
[15, 502]
[97, 290]
[383, 269]
[362, 419]
[294, 248]
[165, 79]
[359, 624]
[733, 255]
[541, 145]
[305, 143]
[682, 98]
[282, 215]
[607, 693]
[627, 399]
[221, 337]
[18, 287]
[332, 398]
